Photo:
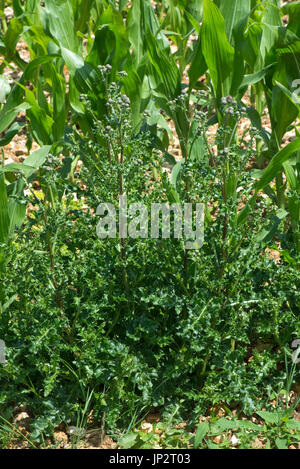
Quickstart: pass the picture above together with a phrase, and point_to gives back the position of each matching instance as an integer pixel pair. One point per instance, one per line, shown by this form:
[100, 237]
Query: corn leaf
[218, 53]
[60, 18]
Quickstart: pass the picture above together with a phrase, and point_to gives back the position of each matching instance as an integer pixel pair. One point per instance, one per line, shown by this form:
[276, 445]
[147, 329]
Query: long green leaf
[4, 212]
[253, 78]
[235, 14]
[275, 165]
[198, 65]
[59, 103]
[84, 75]
[273, 168]
[202, 430]
[134, 30]
[294, 99]
[218, 53]
[12, 131]
[33, 162]
[164, 65]
[15, 101]
[38, 157]
[17, 213]
[60, 17]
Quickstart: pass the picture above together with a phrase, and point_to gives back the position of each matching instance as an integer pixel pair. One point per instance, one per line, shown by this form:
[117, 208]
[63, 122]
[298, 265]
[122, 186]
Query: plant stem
[121, 192]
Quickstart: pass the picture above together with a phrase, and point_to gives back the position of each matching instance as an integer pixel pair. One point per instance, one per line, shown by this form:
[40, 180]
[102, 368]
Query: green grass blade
[4, 212]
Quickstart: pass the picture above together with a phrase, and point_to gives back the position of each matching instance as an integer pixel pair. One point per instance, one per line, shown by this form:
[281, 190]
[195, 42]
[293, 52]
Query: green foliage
[142, 323]
[275, 431]
[121, 326]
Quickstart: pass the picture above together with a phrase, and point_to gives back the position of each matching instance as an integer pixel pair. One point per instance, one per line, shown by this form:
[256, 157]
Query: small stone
[147, 427]
[21, 416]
[259, 443]
[62, 438]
